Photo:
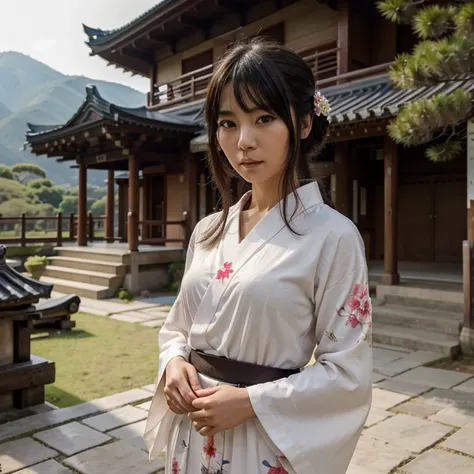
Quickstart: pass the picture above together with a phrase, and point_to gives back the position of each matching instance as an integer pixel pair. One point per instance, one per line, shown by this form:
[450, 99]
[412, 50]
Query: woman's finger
[175, 409]
[199, 415]
[179, 401]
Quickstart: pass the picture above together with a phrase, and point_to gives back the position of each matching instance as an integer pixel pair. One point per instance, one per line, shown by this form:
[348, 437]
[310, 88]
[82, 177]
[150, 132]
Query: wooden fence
[57, 229]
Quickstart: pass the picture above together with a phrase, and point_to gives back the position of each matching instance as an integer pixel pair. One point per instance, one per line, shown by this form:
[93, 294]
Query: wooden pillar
[470, 221]
[109, 212]
[343, 178]
[343, 38]
[133, 203]
[191, 177]
[391, 275]
[82, 206]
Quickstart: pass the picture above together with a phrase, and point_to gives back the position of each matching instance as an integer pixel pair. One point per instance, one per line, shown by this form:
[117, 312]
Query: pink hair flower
[321, 105]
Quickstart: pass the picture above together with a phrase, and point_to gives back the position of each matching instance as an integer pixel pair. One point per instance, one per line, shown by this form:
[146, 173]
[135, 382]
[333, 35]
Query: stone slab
[156, 323]
[409, 432]
[48, 467]
[438, 378]
[72, 438]
[130, 431]
[121, 457]
[376, 415]
[377, 377]
[404, 388]
[407, 362]
[386, 355]
[150, 388]
[436, 461]
[422, 410]
[145, 406]
[467, 386]
[22, 453]
[156, 314]
[462, 441]
[127, 318]
[453, 416]
[449, 398]
[115, 418]
[384, 399]
[378, 456]
[63, 415]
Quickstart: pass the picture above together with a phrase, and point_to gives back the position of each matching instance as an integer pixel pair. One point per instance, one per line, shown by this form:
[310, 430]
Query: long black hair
[274, 78]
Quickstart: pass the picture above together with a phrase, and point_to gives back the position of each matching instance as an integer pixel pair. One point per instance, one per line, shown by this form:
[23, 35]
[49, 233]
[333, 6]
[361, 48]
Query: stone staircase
[89, 272]
[426, 319]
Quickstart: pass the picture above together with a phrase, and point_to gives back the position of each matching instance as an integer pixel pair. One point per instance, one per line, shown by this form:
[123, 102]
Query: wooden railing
[156, 232]
[192, 86]
[57, 229]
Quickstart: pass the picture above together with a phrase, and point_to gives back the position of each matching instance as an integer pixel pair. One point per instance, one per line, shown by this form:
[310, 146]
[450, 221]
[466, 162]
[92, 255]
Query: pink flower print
[359, 303]
[352, 321]
[210, 448]
[175, 466]
[273, 469]
[225, 271]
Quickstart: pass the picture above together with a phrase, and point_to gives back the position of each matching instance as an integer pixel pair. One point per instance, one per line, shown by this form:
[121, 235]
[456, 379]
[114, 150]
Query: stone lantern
[22, 375]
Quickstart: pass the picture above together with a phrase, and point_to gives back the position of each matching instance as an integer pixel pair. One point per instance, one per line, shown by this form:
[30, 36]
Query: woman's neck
[266, 195]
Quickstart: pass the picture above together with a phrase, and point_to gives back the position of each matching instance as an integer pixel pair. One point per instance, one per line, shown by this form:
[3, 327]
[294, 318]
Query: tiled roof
[17, 289]
[181, 119]
[98, 36]
[378, 98]
[368, 99]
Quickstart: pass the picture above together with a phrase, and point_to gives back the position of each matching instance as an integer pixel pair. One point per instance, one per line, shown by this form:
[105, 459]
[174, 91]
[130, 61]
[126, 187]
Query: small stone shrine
[22, 375]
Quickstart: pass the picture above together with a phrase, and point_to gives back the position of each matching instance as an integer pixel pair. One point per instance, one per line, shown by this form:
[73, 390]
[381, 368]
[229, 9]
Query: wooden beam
[133, 203]
[343, 37]
[109, 231]
[82, 206]
[191, 179]
[391, 275]
[343, 179]
[357, 131]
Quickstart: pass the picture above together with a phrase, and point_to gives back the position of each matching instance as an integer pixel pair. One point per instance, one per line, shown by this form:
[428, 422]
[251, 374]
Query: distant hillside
[32, 92]
[4, 111]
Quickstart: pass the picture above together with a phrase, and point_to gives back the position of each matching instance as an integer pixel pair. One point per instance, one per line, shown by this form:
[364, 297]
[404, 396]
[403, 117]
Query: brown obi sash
[236, 372]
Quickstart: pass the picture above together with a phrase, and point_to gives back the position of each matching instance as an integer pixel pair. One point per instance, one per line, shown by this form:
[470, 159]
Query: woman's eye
[265, 119]
[227, 124]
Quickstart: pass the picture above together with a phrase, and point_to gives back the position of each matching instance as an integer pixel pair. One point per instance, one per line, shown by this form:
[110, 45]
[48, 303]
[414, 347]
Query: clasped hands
[211, 410]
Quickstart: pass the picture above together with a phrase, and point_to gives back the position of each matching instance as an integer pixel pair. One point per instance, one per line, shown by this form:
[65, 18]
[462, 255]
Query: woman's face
[255, 143]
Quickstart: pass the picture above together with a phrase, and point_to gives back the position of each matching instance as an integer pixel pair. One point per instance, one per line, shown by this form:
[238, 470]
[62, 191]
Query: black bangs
[256, 83]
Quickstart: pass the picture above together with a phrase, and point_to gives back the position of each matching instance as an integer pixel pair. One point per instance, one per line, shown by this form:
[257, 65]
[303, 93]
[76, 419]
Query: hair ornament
[321, 104]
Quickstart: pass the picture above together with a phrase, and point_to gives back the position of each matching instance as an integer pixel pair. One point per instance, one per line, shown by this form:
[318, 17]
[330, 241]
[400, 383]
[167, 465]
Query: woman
[267, 281]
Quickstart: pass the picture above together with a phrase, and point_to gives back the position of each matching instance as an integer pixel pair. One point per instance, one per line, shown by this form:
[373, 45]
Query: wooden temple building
[407, 208]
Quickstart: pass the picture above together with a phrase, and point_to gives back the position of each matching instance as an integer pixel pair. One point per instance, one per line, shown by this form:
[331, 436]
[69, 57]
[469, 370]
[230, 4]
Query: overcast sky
[51, 32]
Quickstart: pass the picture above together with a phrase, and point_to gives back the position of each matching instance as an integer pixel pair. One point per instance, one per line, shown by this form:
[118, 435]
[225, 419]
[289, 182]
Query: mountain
[4, 111]
[32, 92]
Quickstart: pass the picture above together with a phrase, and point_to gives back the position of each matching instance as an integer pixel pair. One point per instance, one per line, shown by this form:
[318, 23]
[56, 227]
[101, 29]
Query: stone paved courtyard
[421, 422]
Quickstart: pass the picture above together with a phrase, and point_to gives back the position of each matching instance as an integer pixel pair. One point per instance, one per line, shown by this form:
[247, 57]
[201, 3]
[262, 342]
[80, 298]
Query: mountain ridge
[32, 92]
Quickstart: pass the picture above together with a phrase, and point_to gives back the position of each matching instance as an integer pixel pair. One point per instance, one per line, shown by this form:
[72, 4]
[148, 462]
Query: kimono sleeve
[173, 342]
[173, 336]
[315, 417]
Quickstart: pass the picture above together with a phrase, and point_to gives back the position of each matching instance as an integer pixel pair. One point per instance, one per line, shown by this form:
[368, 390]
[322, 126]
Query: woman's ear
[306, 126]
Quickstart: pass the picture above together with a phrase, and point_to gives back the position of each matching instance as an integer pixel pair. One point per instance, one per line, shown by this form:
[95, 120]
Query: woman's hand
[220, 408]
[181, 384]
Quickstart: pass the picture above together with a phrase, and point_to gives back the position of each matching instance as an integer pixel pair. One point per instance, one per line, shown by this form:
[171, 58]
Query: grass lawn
[99, 357]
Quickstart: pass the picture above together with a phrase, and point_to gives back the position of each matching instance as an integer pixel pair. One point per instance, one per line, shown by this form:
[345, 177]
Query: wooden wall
[307, 23]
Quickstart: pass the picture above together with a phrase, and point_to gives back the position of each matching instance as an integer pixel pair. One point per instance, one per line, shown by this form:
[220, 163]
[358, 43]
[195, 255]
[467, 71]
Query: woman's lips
[251, 164]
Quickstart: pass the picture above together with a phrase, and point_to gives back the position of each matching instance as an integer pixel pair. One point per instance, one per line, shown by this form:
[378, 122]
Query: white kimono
[272, 299]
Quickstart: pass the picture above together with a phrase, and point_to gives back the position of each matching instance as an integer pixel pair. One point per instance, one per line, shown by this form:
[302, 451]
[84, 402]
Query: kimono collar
[309, 196]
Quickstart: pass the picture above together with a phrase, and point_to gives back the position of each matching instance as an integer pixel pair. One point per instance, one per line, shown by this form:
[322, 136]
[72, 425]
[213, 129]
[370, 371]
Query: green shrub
[125, 295]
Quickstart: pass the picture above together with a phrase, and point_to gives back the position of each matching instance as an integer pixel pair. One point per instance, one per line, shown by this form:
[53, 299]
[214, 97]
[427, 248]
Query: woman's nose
[246, 139]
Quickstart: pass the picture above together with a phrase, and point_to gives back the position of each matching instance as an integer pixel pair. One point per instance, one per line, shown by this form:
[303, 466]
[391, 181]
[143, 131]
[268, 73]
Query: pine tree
[444, 53]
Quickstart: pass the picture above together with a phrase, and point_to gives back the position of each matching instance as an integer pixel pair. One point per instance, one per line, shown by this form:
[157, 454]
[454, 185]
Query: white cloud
[51, 31]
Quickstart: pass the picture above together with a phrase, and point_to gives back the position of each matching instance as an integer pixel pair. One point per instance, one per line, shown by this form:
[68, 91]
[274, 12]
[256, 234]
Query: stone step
[84, 276]
[94, 254]
[416, 339]
[418, 318]
[92, 265]
[87, 290]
